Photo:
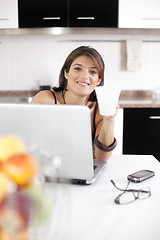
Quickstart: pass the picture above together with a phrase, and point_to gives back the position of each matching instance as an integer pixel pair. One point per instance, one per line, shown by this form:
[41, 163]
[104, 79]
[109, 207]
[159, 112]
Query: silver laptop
[63, 131]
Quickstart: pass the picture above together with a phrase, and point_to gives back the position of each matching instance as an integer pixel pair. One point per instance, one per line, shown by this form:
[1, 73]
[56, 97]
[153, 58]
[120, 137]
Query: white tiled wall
[28, 59]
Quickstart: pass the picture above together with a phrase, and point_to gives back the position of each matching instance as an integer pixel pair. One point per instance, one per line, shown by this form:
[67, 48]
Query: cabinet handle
[85, 18]
[154, 117]
[51, 18]
[4, 19]
[150, 19]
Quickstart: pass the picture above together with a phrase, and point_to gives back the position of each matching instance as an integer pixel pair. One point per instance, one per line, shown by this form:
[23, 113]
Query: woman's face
[83, 76]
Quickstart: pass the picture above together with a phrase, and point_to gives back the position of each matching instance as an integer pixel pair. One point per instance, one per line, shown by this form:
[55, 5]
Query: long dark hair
[81, 51]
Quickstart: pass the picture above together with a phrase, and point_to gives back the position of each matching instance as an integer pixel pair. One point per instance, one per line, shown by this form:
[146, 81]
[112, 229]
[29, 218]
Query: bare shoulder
[43, 97]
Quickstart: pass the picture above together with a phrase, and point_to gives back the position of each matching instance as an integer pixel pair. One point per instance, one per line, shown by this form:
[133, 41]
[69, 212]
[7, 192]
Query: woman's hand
[116, 112]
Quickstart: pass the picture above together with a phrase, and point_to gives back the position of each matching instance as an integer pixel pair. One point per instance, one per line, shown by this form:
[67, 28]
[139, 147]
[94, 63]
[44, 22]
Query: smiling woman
[79, 60]
[82, 72]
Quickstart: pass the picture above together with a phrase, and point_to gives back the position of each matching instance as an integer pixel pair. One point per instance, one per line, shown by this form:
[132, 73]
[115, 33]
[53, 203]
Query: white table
[89, 212]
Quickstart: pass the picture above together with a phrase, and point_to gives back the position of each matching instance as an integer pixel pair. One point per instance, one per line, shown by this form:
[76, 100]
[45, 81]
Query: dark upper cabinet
[67, 13]
[42, 13]
[93, 13]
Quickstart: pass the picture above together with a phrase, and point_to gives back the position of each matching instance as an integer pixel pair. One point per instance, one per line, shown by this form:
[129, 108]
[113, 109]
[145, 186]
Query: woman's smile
[83, 84]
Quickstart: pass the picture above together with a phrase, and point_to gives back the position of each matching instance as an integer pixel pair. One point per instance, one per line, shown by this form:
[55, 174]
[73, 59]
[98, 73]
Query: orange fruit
[20, 168]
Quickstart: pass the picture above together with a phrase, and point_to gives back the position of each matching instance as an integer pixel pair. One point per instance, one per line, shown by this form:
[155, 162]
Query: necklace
[63, 92]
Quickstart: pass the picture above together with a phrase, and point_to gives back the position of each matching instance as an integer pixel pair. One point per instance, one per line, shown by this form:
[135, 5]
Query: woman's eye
[93, 72]
[77, 68]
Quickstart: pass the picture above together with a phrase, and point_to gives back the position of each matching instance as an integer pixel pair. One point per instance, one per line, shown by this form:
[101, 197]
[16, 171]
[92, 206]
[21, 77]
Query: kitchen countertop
[139, 99]
[128, 98]
[17, 96]
[28, 93]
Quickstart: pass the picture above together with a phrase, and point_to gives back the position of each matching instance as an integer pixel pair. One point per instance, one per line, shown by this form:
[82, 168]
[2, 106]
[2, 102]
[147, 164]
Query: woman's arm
[105, 133]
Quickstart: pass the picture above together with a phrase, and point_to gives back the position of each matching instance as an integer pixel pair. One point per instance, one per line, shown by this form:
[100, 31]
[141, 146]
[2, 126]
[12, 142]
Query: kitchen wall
[27, 59]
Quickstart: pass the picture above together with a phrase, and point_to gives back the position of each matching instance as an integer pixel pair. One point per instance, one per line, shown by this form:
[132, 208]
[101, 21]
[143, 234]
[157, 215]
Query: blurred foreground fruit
[16, 211]
[21, 235]
[3, 185]
[10, 145]
[43, 202]
[20, 168]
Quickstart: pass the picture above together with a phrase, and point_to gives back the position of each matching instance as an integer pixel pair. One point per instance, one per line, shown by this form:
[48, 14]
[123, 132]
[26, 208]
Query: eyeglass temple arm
[118, 187]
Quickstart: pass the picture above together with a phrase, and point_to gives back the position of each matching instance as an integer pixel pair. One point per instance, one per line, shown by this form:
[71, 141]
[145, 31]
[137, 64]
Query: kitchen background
[29, 60]
[33, 50]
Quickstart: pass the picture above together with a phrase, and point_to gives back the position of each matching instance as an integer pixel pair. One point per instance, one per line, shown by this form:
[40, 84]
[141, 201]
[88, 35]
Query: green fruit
[43, 204]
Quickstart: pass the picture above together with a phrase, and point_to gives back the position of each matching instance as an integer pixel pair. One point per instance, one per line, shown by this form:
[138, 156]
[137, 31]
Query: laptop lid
[62, 130]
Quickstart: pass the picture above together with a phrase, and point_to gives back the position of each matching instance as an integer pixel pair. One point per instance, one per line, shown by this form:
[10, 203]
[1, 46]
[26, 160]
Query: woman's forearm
[106, 138]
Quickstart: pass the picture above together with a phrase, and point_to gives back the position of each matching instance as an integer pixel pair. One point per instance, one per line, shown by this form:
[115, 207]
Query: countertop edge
[127, 99]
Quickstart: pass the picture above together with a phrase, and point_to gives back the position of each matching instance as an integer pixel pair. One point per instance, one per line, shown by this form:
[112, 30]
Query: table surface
[89, 212]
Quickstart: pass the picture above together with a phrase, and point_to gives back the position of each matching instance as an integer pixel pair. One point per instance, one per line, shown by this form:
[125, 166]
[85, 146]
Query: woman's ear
[65, 74]
[99, 81]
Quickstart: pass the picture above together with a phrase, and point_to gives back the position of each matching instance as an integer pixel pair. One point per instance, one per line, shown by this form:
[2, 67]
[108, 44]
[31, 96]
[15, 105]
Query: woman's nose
[86, 73]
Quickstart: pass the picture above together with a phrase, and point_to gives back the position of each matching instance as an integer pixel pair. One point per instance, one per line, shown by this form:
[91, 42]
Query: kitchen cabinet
[139, 14]
[68, 13]
[90, 13]
[42, 13]
[141, 131]
[8, 14]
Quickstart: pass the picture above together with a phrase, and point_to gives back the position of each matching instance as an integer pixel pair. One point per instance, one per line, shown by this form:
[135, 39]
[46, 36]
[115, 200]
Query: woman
[82, 71]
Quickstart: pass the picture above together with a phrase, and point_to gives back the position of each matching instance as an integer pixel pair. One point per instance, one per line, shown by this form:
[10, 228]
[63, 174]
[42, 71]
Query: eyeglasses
[130, 195]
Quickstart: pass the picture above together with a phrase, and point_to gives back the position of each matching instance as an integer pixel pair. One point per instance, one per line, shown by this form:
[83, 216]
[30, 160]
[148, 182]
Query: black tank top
[54, 97]
[94, 116]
